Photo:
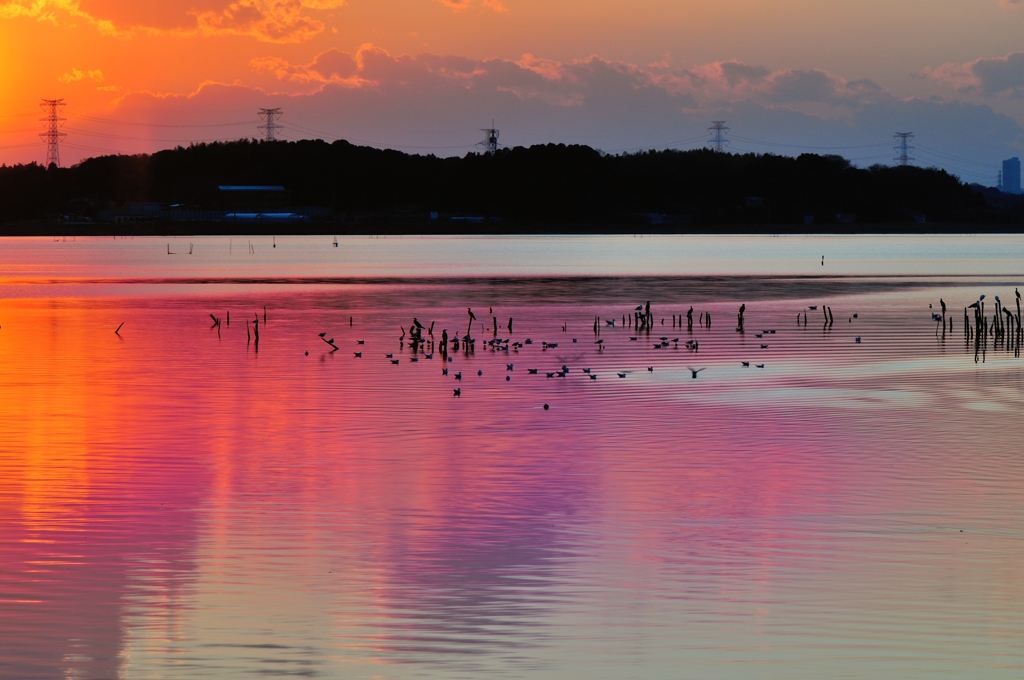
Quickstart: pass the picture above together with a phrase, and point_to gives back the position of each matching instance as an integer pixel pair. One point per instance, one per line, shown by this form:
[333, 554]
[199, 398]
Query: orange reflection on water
[173, 493]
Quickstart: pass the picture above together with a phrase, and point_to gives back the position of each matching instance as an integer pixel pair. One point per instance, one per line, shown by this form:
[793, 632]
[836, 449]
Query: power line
[333, 136]
[302, 128]
[94, 119]
[278, 128]
[807, 146]
[954, 158]
[20, 146]
[669, 145]
[964, 172]
[868, 158]
[105, 135]
[69, 145]
[11, 132]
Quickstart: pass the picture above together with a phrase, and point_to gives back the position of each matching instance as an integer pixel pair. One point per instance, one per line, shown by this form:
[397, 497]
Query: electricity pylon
[718, 142]
[490, 143]
[53, 122]
[902, 147]
[270, 128]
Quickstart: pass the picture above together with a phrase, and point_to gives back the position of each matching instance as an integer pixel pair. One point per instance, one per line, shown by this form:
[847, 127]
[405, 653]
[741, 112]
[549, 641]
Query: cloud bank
[572, 83]
[273, 21]
[992, 77]
[436, 104]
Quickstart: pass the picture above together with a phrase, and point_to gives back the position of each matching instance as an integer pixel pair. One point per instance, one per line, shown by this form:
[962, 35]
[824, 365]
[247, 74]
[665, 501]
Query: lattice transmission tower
[270, 127]
[718, 130]
[490, 142]
[903, 148]
[53, 122]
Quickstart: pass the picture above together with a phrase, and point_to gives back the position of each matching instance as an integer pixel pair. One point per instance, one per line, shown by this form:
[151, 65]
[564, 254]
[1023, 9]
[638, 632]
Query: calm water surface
[178, 503]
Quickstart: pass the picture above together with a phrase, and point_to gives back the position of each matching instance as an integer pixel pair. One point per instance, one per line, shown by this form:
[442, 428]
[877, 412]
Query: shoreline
[63, 229]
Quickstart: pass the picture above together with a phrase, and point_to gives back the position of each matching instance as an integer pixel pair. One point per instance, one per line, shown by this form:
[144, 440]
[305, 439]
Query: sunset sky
[836, 76]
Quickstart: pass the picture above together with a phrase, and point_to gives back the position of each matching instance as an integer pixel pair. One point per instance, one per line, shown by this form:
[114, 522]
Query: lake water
[176, 502]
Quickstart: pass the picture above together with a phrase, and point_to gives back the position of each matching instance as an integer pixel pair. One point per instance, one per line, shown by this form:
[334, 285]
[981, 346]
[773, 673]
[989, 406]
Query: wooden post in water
[996, 320]
[979, 320]
[1018, 306]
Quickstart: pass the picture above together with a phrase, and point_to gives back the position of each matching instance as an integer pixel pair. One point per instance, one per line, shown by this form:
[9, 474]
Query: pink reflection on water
[173, 493]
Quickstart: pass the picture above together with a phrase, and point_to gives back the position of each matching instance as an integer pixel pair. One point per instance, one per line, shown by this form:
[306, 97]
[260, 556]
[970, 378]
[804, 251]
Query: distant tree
[542, 184]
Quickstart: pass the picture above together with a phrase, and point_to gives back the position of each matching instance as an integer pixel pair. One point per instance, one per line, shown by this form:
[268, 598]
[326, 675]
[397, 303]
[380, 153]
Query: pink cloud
[547, 68]
[991, 77]
[735, 81]
[571, 83]
[332, 66]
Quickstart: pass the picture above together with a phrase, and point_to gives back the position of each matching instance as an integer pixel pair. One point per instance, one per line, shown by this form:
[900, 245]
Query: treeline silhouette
[552, 184]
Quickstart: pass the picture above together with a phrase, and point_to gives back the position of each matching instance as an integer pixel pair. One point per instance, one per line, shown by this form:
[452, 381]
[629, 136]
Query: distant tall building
[1011, 176]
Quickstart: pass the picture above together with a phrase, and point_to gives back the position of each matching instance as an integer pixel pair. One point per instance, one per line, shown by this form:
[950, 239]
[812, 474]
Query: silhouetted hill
[568, 187]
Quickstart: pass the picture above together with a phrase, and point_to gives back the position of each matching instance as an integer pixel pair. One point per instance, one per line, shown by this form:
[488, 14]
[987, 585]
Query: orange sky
[858, 69]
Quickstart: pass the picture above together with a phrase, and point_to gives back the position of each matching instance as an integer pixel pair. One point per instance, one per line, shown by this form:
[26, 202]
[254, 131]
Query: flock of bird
[423, 344]
[421, 341]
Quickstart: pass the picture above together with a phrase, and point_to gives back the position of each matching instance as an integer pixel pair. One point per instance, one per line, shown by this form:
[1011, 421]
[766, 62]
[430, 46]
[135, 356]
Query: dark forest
[550, 186]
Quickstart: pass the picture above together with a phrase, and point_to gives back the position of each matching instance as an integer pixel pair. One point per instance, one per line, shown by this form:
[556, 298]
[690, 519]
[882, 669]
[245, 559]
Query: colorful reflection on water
[176, 503]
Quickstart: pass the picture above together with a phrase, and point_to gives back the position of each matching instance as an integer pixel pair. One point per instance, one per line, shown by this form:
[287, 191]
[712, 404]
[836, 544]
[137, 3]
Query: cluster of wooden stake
[1004, 327]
